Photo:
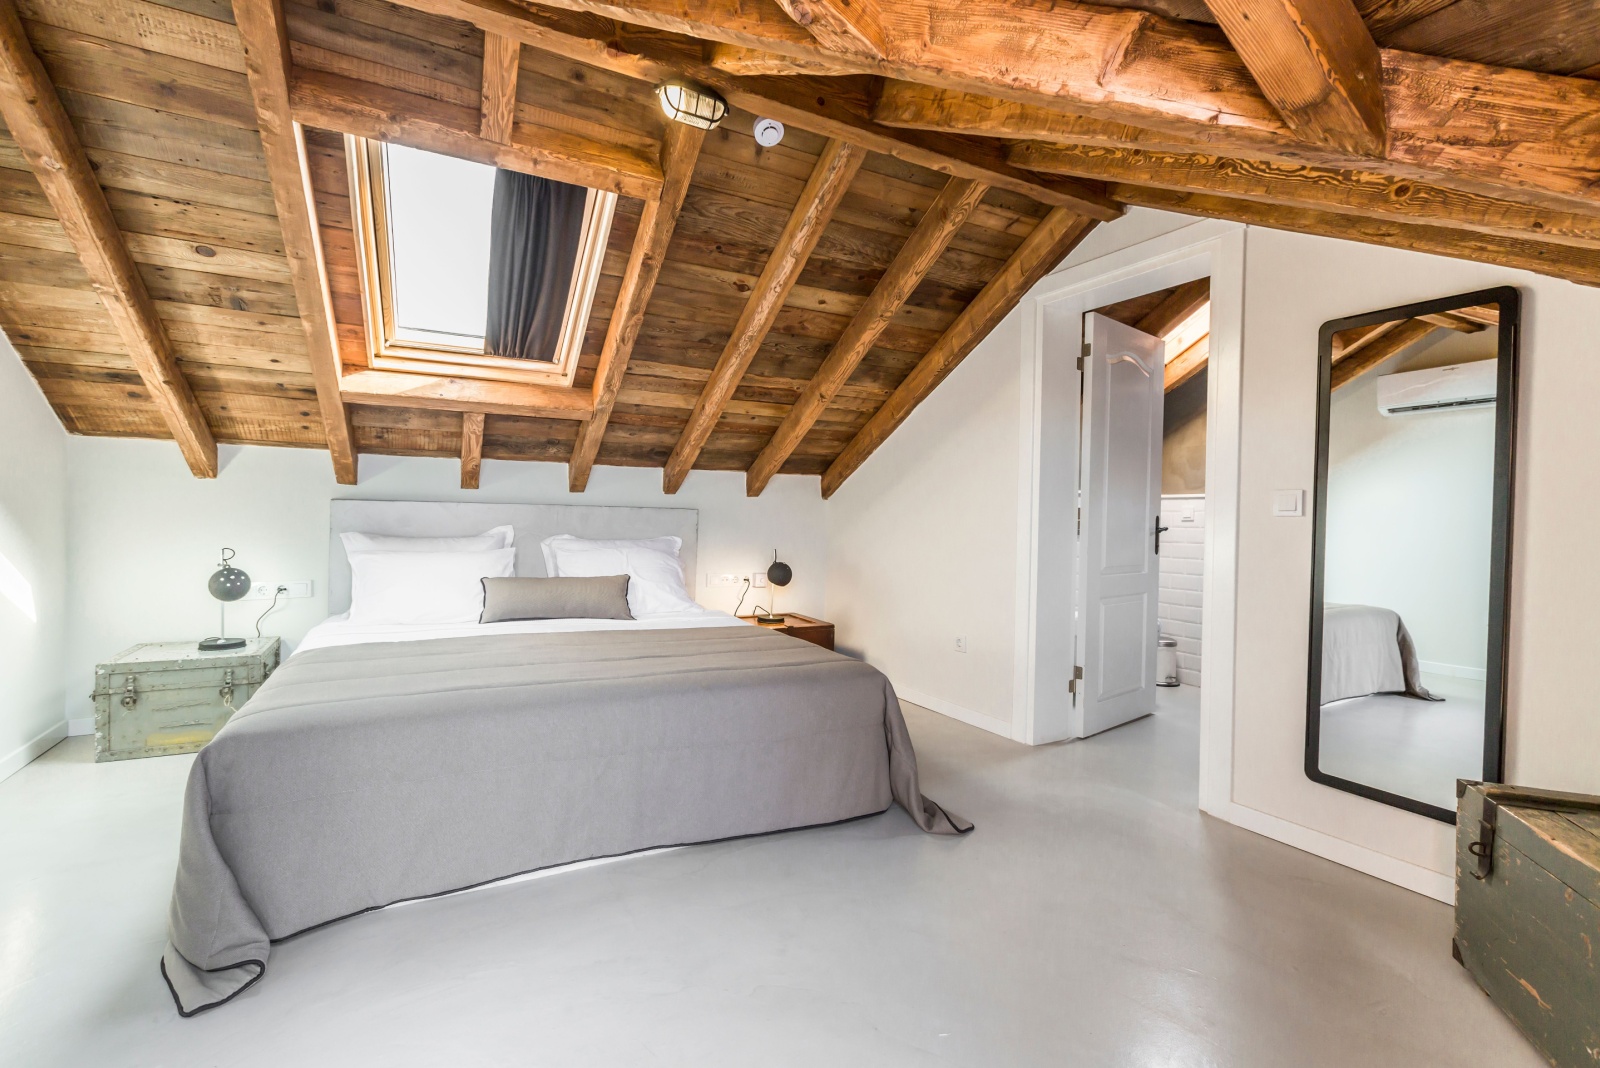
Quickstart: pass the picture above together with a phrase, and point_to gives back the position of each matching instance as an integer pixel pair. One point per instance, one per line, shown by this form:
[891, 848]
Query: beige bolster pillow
[603, 597]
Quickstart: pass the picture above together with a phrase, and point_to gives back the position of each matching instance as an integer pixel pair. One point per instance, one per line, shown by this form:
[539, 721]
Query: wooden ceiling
[177, 258]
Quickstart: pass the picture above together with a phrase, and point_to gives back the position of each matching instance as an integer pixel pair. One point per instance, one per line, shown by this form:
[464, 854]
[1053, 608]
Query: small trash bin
[1166, 661]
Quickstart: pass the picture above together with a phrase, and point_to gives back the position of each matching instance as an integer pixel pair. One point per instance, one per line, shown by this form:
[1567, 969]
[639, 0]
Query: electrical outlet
[263, 591]
[758, 579]
[961, 644]
[724, 580]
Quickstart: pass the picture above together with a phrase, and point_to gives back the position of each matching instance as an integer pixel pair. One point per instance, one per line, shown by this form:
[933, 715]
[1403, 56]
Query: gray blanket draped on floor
[363, 775]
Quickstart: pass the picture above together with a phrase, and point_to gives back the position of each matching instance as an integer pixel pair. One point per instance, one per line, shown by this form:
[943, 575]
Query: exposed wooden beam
[1318, 64]
[1482, 127]
[680, 149]
[1297, 185]
[1453, 321]
[471, 449]
[43, 131]
[345, 105]
[836, 167]
[732, 59]
[946, 215]
[1184, 302]
[1347, 343]
[1039, 252]
[266, 44]
[852, 26]
[829, 107]
[498, 111]
[1188, 363]
[1561, 261]
[399, 389]
[1353, 367]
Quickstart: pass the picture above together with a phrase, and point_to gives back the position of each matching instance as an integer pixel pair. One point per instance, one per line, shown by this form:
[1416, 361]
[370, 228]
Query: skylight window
[1189, 331]
[472, 271]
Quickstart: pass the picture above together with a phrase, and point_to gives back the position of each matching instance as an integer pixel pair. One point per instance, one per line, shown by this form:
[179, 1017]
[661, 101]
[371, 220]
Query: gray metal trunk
[169, 697]
[1528, 912]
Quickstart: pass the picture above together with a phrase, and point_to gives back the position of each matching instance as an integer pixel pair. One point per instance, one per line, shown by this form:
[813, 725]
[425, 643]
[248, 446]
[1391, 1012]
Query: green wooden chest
[1528, 912]
[169, 697]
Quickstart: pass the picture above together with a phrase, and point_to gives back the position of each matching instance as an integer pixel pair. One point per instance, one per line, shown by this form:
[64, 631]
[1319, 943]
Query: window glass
[439, 210]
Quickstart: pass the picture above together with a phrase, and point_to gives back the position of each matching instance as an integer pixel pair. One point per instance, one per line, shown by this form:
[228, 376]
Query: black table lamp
[228, 583]
[779, 574]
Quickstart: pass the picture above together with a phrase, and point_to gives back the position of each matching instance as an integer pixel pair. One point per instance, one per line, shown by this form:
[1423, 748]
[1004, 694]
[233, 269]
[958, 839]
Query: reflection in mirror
[1412, 499]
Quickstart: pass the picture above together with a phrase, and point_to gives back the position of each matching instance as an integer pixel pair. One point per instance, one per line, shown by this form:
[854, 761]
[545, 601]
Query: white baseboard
[1454, 671]
[1424, 881]
[25, 753]
[81, 726]
[1001, 727]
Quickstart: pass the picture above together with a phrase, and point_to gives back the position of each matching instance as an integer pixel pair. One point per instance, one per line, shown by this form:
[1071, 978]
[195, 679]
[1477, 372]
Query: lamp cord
[742, 595]
[275, 594]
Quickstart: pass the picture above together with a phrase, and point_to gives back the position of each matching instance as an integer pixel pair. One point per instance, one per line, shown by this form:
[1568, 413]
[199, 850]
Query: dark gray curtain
[536, 225]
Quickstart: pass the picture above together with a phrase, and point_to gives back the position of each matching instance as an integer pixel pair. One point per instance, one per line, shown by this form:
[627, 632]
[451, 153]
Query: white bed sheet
[338, 630]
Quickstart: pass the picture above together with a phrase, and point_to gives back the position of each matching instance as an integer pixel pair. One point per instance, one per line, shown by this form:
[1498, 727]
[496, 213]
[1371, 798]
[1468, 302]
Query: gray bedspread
[362, 775]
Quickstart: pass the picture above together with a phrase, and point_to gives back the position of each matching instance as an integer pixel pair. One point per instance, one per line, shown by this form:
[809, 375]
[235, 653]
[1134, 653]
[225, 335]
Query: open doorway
[1181, 317]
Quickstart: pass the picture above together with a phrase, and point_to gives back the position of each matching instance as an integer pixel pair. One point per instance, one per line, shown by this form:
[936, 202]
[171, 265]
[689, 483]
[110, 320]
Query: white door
[1120, 486]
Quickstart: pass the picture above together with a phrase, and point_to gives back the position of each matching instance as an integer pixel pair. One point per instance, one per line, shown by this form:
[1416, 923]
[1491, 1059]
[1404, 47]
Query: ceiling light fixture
[691, 104]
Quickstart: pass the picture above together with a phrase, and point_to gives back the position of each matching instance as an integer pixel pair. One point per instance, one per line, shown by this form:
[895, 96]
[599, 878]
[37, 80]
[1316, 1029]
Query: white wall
[33, 511]
[145, 534]
[1410, 511]
[1182, 569]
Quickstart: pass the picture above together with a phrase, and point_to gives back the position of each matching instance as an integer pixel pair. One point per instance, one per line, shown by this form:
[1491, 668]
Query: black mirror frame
[1505, 443]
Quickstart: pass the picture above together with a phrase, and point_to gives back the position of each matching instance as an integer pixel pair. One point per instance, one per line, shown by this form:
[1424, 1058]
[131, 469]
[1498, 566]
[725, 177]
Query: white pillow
[417, 587]
[498, 538]
[655, 574]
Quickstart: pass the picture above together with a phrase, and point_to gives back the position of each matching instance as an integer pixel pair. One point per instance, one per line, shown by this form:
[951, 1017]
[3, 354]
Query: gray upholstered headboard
[533, 523]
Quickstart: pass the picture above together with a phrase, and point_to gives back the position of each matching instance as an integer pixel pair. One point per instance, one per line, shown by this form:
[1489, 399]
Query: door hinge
[1077, 677]
[1083, 356]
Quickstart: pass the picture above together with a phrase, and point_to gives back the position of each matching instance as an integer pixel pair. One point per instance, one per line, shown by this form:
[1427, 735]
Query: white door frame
[1048, 480]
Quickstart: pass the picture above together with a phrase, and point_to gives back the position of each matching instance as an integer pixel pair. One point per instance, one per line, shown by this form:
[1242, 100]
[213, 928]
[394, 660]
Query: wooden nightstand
[815, 631]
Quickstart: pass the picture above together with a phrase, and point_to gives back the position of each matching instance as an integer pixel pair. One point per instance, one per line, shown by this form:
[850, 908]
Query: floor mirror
[1416, 429]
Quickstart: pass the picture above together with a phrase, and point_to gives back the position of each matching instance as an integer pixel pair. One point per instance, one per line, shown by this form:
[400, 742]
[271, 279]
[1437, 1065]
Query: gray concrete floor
[1094, 918]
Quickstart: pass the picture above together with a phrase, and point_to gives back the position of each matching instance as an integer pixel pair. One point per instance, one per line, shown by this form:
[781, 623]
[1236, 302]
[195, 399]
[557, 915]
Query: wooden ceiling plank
[471, 449]
[1297, 185]
[41, 128]
[835, 169]
[800, 102]
[1560, 261]
[948, 213]
[732, 59]
[266, 43]
[346, 105]
[851, 26]
[680, 149]
[1384, 17]
[1038, 254]
[1188, 363]
[1406, 333]
[1184, 302]
[498, 111]
[398, 389]
[1318, 64]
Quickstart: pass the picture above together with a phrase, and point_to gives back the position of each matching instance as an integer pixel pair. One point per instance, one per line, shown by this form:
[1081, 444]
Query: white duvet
[338, 630]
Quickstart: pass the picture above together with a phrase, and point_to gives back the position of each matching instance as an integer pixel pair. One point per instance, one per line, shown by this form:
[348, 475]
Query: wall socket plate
[262, 591]
[724, 579]
[758, 579]
[961, 643]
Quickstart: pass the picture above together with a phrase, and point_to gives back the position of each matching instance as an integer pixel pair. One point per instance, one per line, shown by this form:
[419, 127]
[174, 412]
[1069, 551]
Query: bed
[1367, 650]
[382, 765]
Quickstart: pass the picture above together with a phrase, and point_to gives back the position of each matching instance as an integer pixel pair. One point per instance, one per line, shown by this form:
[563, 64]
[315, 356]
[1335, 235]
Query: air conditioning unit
[1461, 385]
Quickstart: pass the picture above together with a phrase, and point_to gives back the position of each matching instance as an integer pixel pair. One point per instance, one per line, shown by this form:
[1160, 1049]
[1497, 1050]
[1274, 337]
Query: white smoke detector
[768, 132]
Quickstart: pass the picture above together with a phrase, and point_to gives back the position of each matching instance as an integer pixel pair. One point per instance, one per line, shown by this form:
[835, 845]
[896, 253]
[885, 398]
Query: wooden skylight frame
[389, 350]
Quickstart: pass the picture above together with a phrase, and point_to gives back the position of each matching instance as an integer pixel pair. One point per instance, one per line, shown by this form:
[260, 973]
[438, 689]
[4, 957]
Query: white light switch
[1289, 502]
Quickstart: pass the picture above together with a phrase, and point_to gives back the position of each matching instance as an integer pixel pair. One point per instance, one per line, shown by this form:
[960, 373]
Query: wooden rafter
[1039, 252]
[1188, 363]
[830, 179]
[946, 215]
[732, 59]
[806, 103]
[335, 102]
[43, 131]
[1357, 363]
[1350, 192]
[851, 26]
[266, 43]
[471, 449]
[399, 389]
[679, 150]
[1575, 264]
[1318, 64]
[498, 111]
[1183, 302]
[1524, 131]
